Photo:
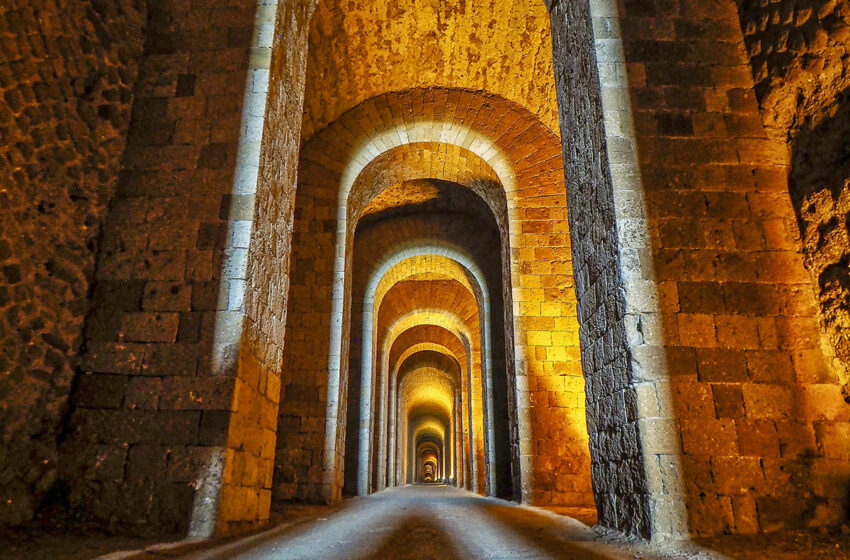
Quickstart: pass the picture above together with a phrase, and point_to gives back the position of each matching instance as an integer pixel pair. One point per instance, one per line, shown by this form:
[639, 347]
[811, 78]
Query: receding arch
[525, 158]
[411, 254]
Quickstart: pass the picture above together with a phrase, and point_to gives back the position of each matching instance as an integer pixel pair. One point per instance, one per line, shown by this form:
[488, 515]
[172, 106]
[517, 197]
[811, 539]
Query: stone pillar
[632, 440]
[184, 344]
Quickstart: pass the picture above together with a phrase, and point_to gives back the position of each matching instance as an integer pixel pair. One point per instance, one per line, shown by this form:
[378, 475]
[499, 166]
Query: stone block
[113, 357]
[796, 438]
[709, 437]
[758, 438]
[770, 367]
[697, 330]
[768, 400]
[738, 476]
[728, 400]
[150, 327]
[722, 366]
[167, 296]
[833, 439]
[100, 391]
[196, 393]
[172, 359]
[142, 393]
[147, 463]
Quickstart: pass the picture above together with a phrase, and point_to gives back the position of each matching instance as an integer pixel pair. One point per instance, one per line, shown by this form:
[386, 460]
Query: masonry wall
[247, 492]
[172, 419]
[802, 75]
[549, 383]
[760, 414]
[67, 73]
[619, 483]
[375, 242]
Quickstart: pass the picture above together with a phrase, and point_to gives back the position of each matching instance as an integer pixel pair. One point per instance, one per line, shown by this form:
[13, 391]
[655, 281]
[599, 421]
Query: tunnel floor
[425, 522]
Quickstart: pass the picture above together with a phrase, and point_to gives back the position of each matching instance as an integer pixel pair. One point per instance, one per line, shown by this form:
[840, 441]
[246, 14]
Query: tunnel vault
[497, 245]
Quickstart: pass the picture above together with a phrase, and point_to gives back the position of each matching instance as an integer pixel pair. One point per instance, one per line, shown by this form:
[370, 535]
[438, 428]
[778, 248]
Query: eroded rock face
[67, 72]
[820, 188]
[798, 50]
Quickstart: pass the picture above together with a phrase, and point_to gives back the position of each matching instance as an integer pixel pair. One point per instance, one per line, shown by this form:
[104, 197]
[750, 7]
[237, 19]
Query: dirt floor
[422, 524]
[43, 543]
[783, 546]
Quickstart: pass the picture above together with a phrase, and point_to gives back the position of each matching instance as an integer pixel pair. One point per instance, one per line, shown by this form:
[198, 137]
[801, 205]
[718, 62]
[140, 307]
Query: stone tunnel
[584, 257]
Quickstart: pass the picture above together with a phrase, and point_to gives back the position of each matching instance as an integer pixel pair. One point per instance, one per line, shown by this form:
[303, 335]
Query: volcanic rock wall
[148, 436]
[67, 73]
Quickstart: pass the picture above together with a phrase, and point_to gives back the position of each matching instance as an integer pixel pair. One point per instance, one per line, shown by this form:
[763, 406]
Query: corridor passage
[426, 522]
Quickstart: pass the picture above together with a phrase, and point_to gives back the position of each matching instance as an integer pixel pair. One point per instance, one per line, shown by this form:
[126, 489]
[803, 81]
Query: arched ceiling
[407, 296]
[390, 240]
[428, 334]
[425, 195]
[432, 359]
[427, 390]
[428, 271]
[452, 165]
[362, 48]
[426, 425]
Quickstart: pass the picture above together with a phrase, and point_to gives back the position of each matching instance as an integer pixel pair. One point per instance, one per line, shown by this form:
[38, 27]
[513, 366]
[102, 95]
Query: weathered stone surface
[620, 485]
[506, 50]
[798, 54]
[702, 376]
[168, 261]
[67, 73]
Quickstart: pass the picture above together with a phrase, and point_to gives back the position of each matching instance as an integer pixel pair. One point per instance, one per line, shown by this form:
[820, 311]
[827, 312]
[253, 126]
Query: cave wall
[67, 74]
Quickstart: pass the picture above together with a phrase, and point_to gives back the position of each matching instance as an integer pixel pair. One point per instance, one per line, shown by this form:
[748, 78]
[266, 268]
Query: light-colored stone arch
[444, 253]
[462, 434]
[455, 325]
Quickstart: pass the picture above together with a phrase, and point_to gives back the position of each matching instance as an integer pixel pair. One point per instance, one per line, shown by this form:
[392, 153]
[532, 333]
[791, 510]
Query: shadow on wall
[820, 192]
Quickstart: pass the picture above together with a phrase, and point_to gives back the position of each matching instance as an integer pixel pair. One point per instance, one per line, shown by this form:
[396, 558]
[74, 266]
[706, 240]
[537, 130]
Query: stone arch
[449, 344]
[447, 254]
[516, 139]
[470, 384]
[424, 391]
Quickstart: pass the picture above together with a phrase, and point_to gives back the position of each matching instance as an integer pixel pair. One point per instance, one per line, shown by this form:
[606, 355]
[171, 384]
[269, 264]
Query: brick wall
[67, 73]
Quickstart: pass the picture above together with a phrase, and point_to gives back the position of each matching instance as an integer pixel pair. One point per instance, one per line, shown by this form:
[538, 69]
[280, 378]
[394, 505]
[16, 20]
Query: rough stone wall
[798, 50]
[67, 72]
[760, 414]
[619, 483]
[174, 414]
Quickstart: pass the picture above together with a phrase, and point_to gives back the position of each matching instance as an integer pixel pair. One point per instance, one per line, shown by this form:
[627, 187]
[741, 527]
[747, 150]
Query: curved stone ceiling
[362, 48]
